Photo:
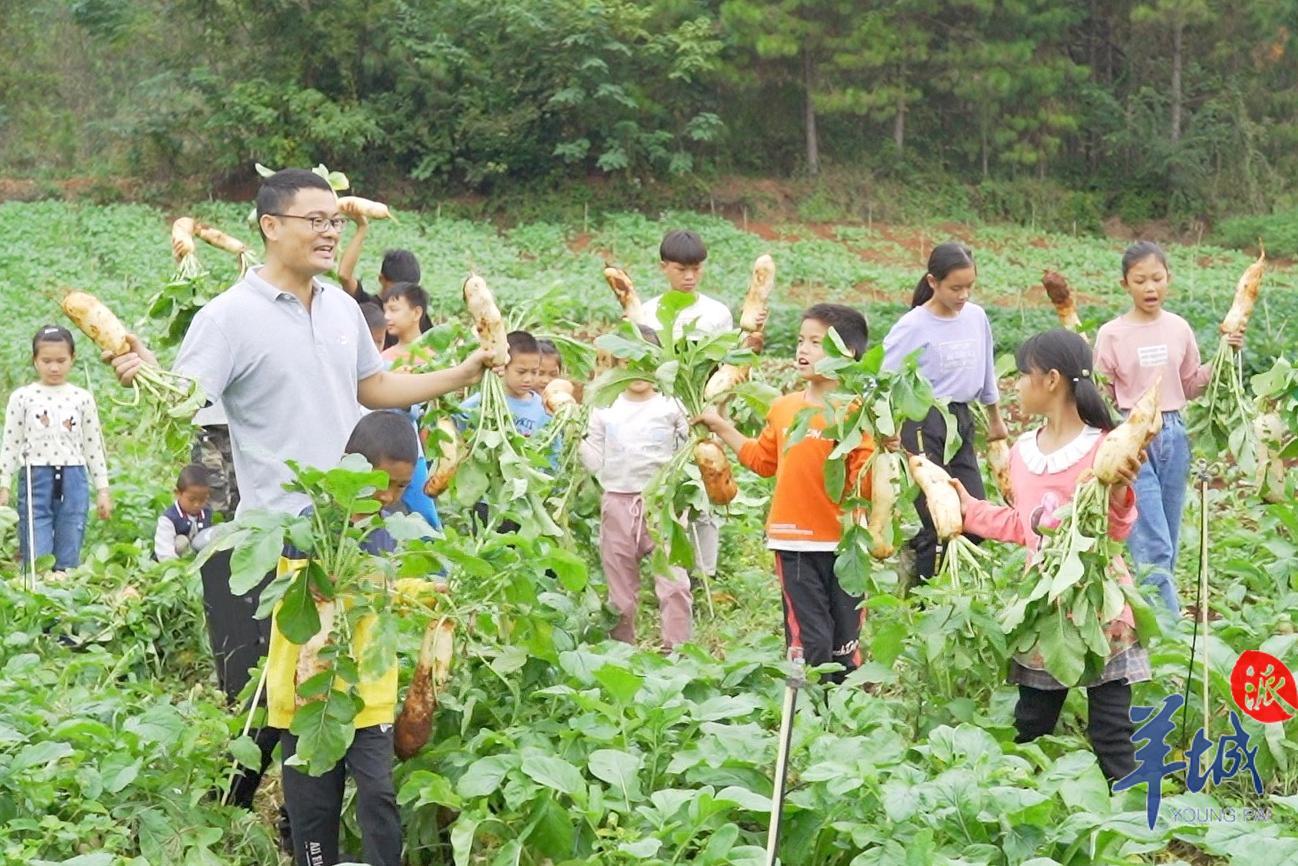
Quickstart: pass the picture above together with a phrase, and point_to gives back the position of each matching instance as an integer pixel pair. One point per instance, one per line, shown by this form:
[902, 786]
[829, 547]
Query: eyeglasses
[319, 224]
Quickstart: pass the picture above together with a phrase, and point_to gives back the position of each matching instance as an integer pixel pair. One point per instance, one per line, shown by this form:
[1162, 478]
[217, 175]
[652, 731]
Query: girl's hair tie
[1086, 374]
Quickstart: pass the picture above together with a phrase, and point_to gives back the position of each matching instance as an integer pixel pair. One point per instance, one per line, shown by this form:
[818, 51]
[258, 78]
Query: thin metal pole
[1203, 590]
[247, 726]
[796, 680]
[30, 578]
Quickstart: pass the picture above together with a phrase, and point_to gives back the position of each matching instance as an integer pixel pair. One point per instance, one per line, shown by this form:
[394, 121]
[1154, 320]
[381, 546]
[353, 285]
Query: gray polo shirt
[287, 379]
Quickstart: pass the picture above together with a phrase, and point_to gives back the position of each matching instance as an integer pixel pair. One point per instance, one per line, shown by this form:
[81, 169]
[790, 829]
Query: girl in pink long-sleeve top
[1132, 351]
[1055, 382]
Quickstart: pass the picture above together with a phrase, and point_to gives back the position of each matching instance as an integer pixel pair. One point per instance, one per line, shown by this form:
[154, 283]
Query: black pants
[818, 615]
[929, 438]
[238, 643]
[1108, 722]
[315, 803]
[482, 517]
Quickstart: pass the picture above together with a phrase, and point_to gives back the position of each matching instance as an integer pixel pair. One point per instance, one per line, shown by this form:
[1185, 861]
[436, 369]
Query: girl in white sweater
[626, 444]
[52, 432]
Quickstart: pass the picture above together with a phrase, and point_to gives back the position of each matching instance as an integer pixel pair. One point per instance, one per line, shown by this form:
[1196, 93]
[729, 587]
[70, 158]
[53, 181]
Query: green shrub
[1278, 231]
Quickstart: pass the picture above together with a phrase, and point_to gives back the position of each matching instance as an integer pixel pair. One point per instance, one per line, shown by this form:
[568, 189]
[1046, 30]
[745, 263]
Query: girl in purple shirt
[954, 339]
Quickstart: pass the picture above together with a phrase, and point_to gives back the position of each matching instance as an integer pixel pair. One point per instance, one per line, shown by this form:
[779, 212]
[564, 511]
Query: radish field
[554, 745]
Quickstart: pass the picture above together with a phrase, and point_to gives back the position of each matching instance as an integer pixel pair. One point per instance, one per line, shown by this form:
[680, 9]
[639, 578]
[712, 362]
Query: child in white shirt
[52, 432]
[626, 444]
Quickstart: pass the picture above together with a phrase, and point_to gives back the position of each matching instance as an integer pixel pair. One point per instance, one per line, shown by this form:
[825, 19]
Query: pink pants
[623, 544]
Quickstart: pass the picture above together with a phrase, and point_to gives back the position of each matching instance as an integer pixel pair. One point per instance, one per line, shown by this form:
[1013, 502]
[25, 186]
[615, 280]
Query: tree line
[1188, 106]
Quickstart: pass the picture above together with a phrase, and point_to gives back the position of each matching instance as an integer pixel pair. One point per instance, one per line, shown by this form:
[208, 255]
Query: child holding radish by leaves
[682, 255]
[1132, 351]
[1056, 382]
[54, 447]
[520, 376]
[625, 446]
[958, 360]
[387, 441]
[525, 406]
[804, 525]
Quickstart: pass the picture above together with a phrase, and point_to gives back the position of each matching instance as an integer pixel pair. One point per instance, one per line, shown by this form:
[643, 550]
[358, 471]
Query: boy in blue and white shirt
[520, 376]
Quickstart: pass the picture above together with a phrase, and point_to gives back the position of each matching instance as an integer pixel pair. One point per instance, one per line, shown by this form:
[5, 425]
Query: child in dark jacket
[186, 517]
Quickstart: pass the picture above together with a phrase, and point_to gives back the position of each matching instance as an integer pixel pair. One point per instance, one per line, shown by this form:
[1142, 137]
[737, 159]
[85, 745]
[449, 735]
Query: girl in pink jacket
[1055, 382]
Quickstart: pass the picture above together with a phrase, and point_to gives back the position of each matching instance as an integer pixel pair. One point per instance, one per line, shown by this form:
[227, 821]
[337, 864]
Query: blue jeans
[1160, 501]
[60, 501]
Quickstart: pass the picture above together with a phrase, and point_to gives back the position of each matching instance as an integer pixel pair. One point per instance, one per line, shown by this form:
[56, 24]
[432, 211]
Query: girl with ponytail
[1056, 381]
[954, 338]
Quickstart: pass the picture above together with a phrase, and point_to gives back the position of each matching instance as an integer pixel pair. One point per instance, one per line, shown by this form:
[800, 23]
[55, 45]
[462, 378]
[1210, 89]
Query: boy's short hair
[386, 435]
[278, 190]
[683, 247]
[193, 475]
[650, 335]
[521, 343]
[400, 266]
[373, 314]
[849, 323]
[412, 293]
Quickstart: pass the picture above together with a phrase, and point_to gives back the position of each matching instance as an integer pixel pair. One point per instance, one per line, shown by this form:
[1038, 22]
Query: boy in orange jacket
[804, 525]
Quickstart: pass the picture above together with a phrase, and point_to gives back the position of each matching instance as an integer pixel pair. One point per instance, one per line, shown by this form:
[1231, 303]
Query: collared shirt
[286, 377]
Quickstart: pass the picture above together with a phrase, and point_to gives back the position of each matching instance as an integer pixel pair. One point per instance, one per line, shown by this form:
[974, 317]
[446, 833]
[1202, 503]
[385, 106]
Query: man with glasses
[288, 357]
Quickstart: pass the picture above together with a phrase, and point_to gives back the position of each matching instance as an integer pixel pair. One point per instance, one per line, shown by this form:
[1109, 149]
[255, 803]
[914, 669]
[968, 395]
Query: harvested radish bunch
[1061, 296]
[998, 459]
[1273, 437]
[728, 377]
[558, 396]
[882, 400]
[756, 301]
[1071, 589]
[354, 206]
[182, 247]
[449, 455]
[309, 661]
[497, 455]
[415, 723]
[1131, 437]
[487, 320]
[694, 370]
[227, 243]
[174, 398]
[1222, 420]
[715, 469]
[959, 554]
[885, 476]
[624, 291]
